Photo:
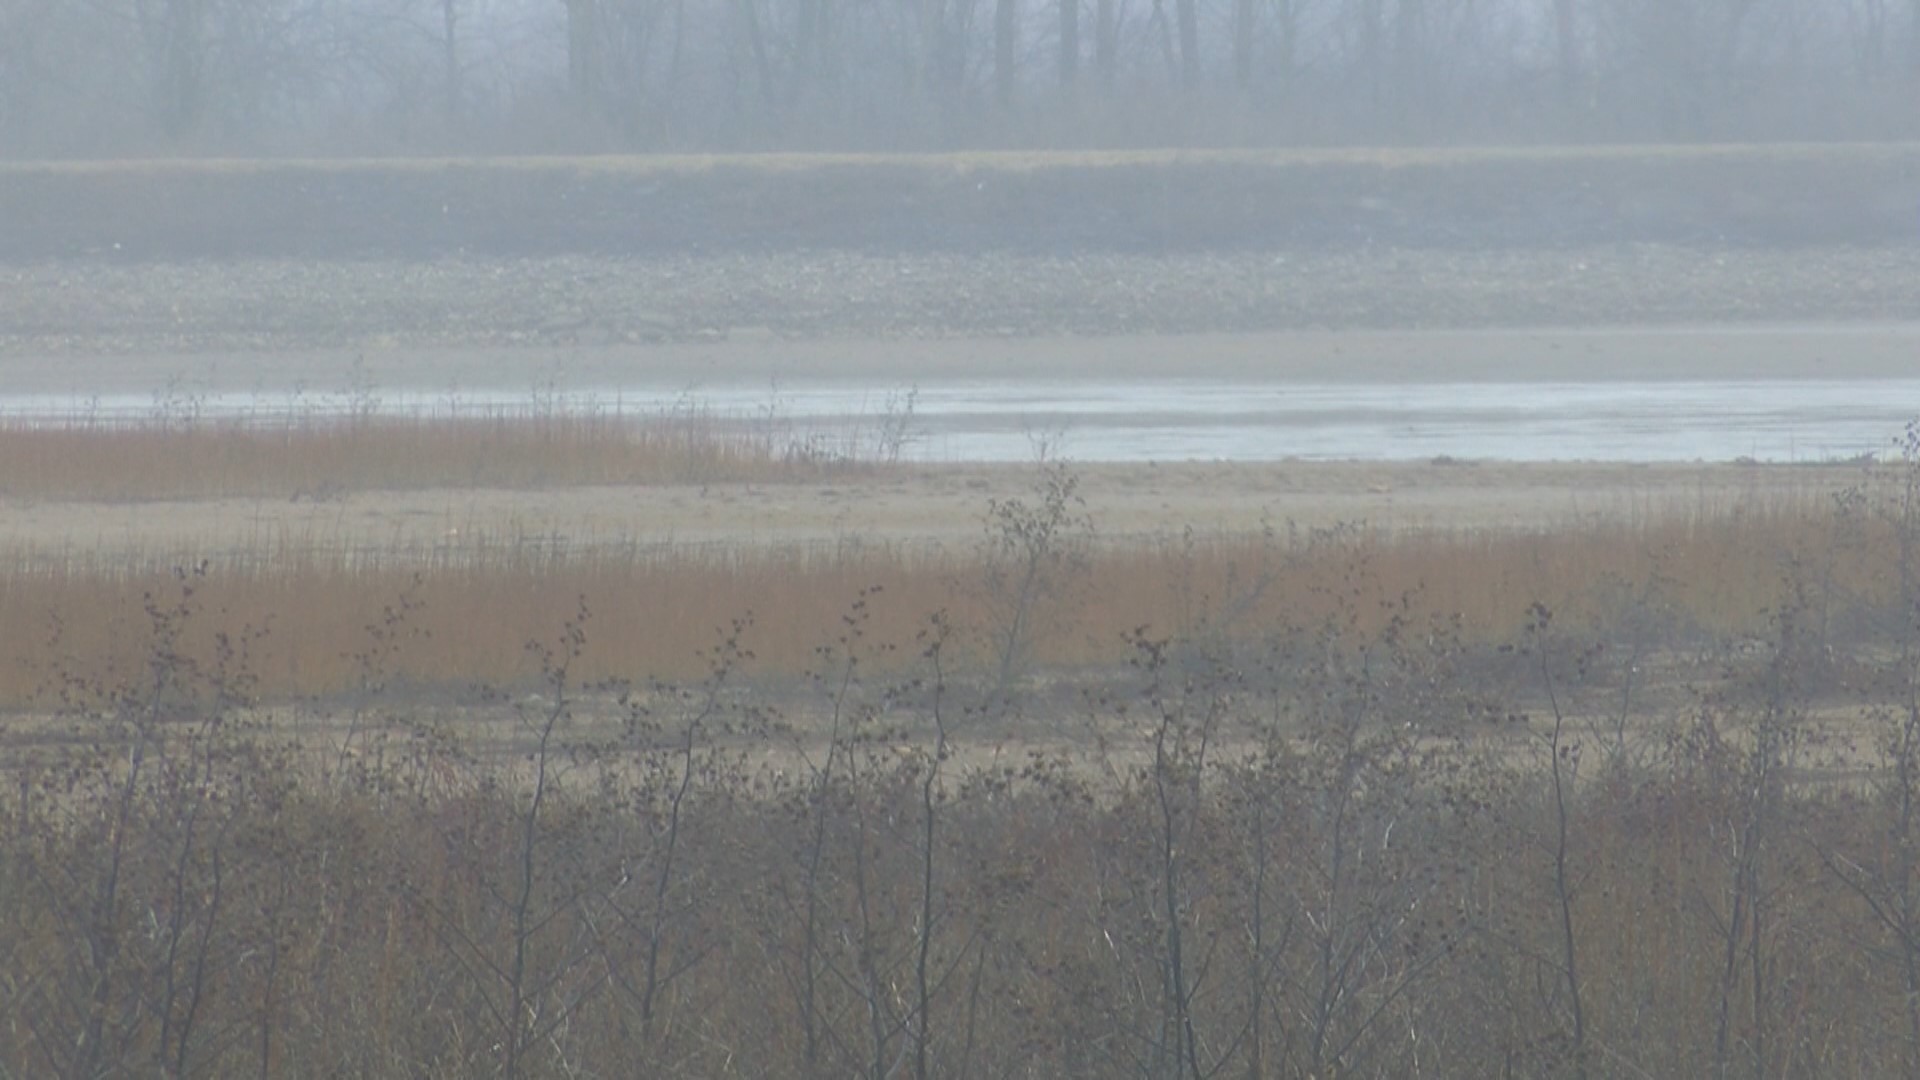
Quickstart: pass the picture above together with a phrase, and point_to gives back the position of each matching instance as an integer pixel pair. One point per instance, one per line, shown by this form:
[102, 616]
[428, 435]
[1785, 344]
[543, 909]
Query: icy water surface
[1180, 419]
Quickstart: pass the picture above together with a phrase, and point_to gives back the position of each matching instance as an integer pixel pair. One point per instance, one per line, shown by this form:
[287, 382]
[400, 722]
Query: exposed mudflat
[549, 306]
[1153, 203]
[932, 508]
[127, 258]
[178, 288]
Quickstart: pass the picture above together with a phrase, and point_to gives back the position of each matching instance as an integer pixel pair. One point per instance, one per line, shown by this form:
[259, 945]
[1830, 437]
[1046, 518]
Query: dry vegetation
[317, 455]
[1632, 798]
[1708, 582]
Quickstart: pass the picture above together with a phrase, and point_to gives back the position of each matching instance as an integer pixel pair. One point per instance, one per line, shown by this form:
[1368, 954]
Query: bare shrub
[1352, 837]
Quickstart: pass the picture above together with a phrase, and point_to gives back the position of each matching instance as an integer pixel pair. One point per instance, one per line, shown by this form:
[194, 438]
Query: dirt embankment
[1043, 204]
[938, 507]
[252, 258]
[574, 301]
[116, 259]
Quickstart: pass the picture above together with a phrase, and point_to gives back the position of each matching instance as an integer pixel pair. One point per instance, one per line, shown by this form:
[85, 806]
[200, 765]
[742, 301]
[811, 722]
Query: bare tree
[1069, 41]
[108, 74]
[1035, 553]
[1286, 17]
[748, 16]
[450, 59]
[1188, 14]
[1106, 33]
[23, 23]
[1243, 24]
[176, 32]
[1006, 42]
[583, 41]
[1566, 39]
[1409, 55]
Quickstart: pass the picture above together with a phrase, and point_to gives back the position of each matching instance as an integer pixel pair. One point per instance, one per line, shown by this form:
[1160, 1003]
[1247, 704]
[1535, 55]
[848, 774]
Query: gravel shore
[101, 306]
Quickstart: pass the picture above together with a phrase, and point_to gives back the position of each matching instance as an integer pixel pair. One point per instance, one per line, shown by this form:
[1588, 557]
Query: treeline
[157, 77]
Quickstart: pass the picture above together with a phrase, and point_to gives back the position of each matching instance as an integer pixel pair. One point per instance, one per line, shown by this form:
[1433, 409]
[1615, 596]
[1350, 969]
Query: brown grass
[1322, 874]
[1317, 876]
[317, 456]
[1711, 575]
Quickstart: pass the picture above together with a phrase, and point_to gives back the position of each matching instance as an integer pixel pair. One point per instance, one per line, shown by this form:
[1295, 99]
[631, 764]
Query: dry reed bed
[1359, 885]
[317, 455]
[1708, 575]
[1361, 895]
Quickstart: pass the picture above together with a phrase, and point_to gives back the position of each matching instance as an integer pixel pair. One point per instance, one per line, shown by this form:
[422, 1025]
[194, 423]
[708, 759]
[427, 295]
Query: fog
[164, 77]
[941, 538]
[1022, 208]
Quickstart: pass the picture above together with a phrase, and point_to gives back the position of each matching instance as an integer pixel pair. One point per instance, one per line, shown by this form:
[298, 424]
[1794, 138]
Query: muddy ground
[939, 508]
[276, 278]
[549, 305]
[127, 259]
[1044, 204]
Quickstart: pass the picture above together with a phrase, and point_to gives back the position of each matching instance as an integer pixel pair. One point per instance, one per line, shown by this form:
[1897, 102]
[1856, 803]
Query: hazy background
[233, 205]
[168, 77]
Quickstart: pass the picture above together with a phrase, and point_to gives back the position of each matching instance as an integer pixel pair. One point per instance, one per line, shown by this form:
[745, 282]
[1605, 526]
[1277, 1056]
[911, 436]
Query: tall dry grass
[319, 455]
[1305, 829]
[1321, 875]
[1710, 575]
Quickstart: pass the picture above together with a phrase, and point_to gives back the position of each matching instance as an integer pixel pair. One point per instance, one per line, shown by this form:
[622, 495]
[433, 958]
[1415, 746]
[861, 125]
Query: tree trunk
[181, 97]
[1070, 41]
[583, 42]
[1409, 47]
[670, 95]
[450, 58]
[1913, 40]
[1104, 35]
[1006, 38]
[1723, 91]
[1288, 32]
[1243, 44]
[930, 21]
[1371, 18]
[1188, 12]
[826, 67]
[1564, 36]
[757, 48]
[806, 45]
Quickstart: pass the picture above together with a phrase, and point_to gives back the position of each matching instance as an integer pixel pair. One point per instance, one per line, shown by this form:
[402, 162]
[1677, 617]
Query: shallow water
[1180, 419]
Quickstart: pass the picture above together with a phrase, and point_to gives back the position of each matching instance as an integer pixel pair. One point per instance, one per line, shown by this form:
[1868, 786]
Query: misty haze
[960, 538]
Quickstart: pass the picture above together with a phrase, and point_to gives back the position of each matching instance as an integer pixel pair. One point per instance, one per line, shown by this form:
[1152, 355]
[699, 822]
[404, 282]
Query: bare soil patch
[695, 315]
[942, 506]
[98, 361]
[202, 257]
[1037, 203]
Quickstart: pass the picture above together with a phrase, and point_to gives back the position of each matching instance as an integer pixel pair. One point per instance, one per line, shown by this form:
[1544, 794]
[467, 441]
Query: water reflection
[1167, 420]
